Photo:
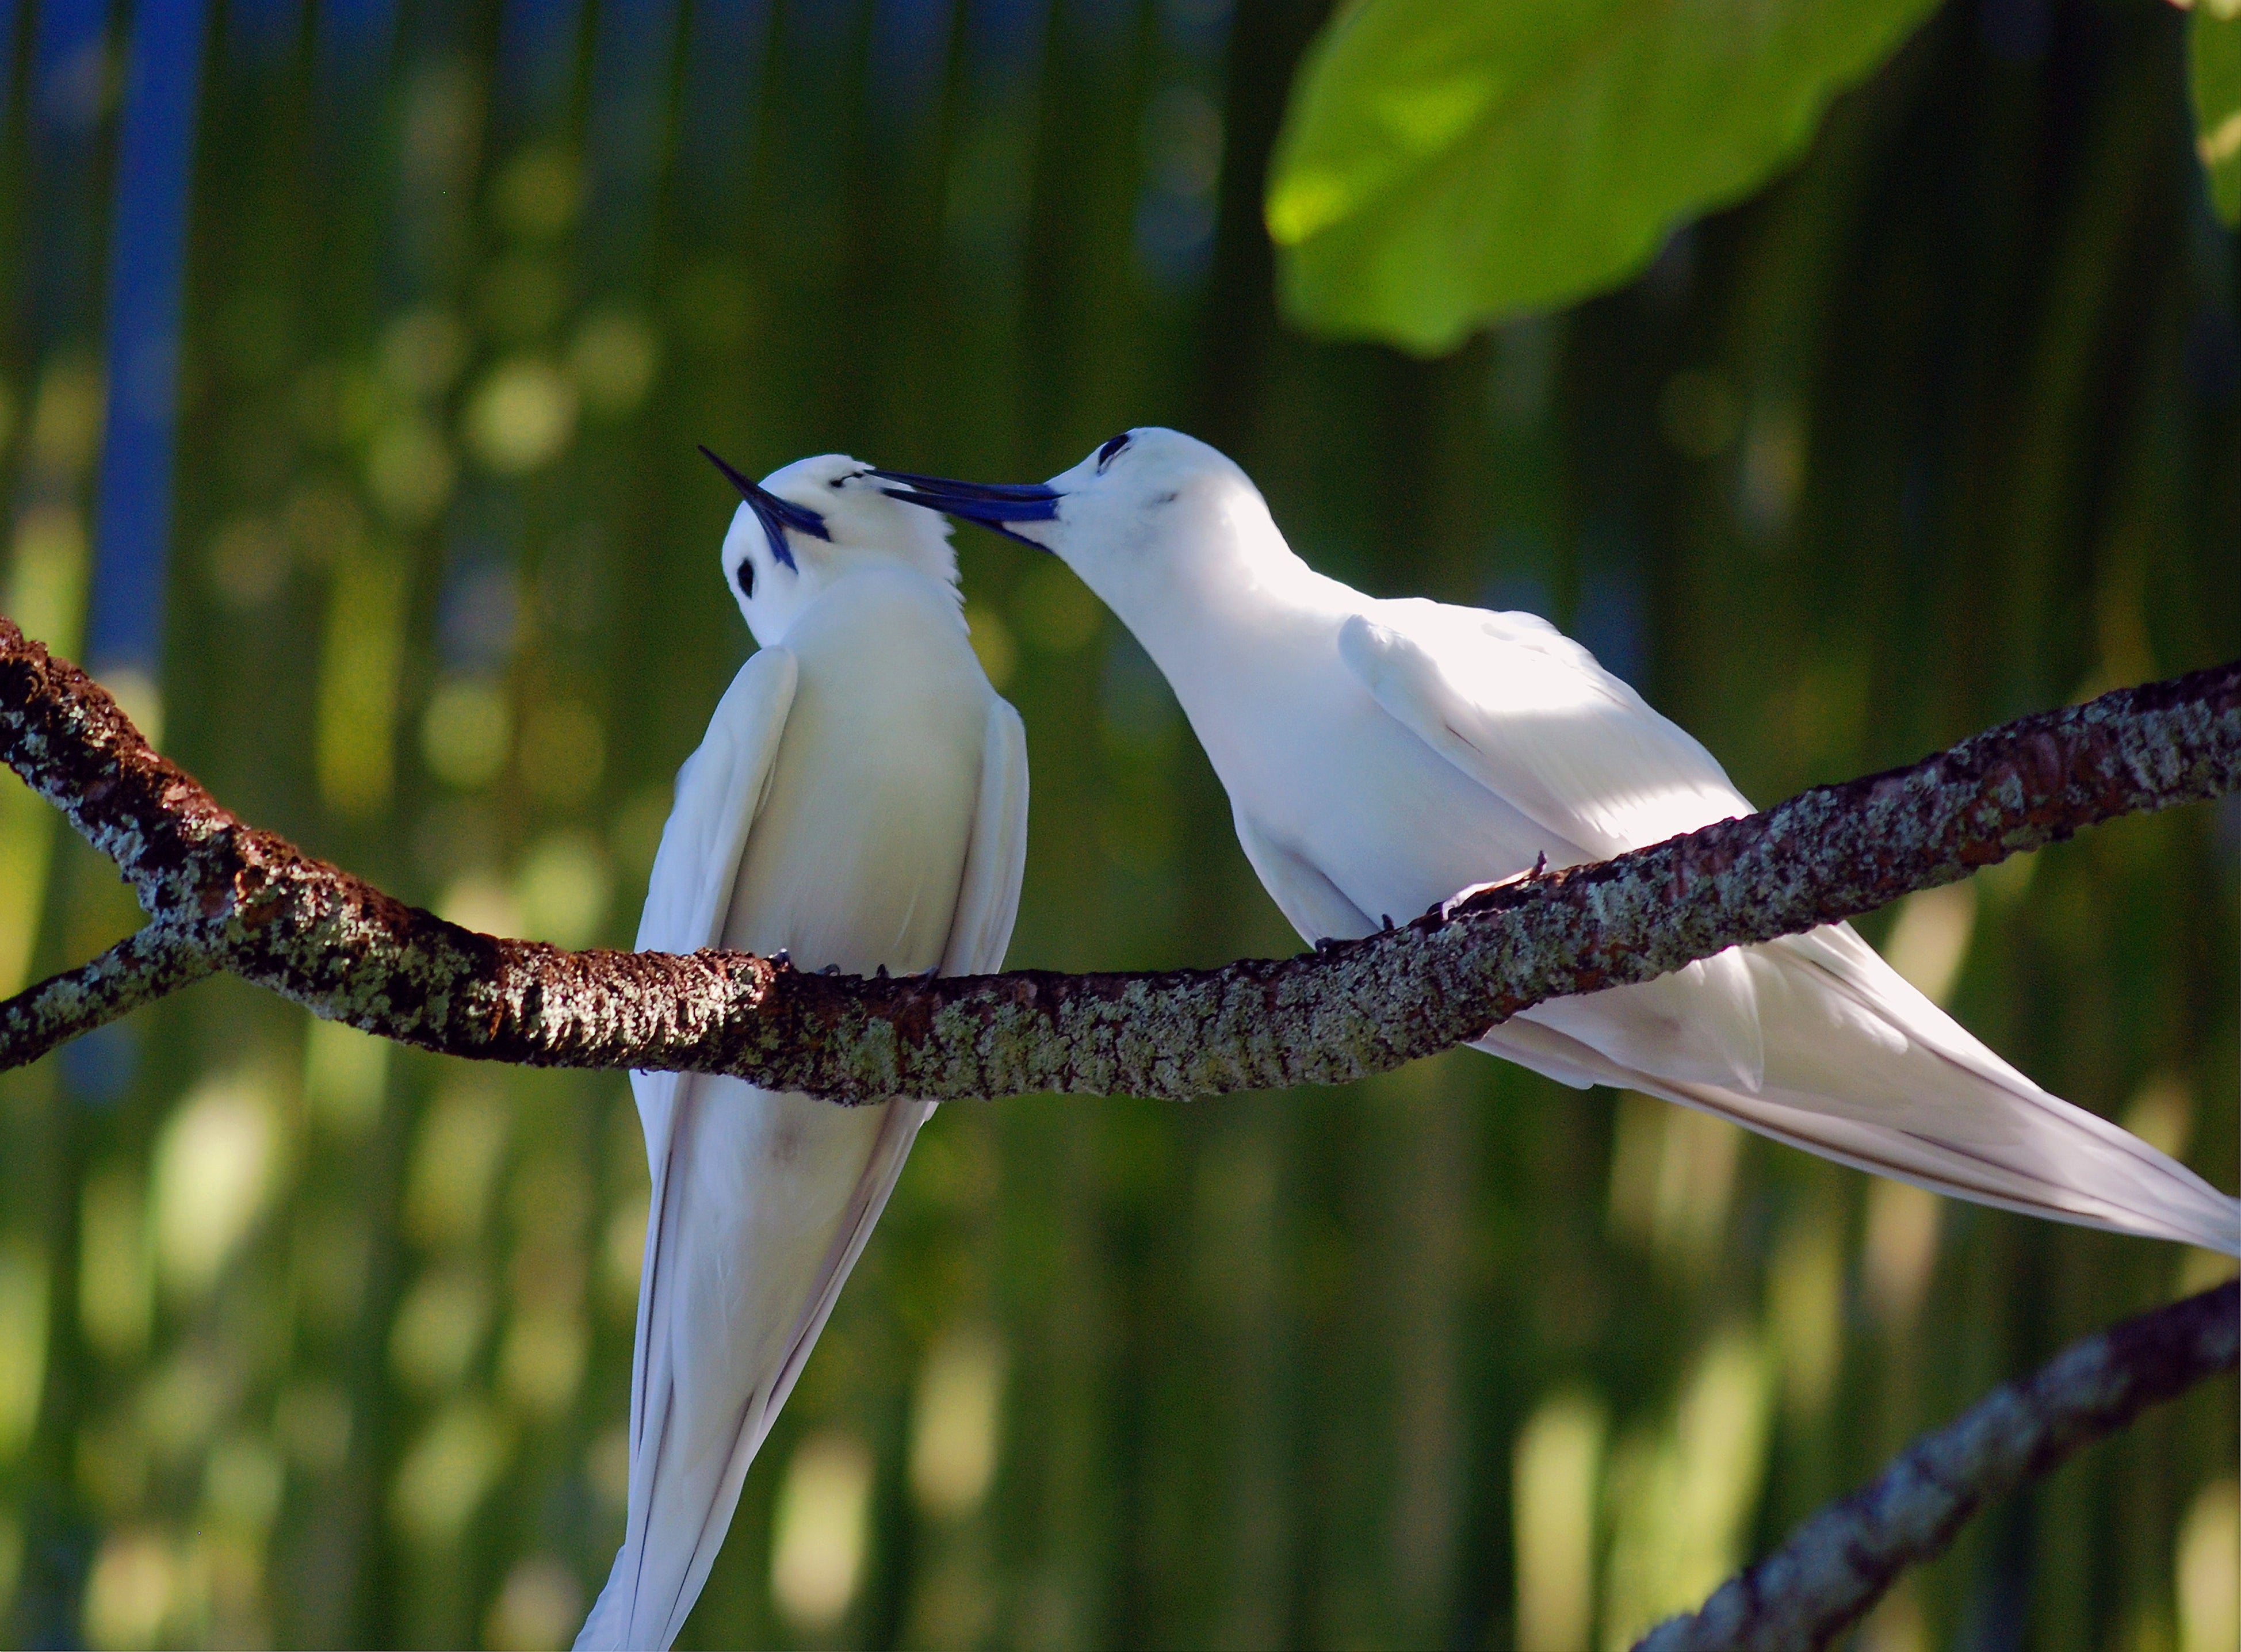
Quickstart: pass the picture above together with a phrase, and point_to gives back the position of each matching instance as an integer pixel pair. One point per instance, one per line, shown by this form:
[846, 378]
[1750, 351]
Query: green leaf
[1447, 163]
[2214, 45]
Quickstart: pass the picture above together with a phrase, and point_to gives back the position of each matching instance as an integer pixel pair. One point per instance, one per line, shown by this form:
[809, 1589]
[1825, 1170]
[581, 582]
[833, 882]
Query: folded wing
[1527, 714]
[718, 791]
[996, 860]
[687, 897]
[1813, 1038]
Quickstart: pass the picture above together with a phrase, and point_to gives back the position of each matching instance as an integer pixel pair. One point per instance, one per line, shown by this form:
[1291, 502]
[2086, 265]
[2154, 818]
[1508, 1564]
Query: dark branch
[262, 908]
[1840, 1562]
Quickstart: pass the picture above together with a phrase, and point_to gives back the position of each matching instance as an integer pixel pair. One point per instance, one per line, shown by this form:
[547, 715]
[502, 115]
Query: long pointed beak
[994, 505]
[776, 515]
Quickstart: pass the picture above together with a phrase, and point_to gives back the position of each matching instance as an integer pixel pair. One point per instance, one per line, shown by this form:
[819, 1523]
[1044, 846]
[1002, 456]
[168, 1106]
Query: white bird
[1381, 756]
[860, 802]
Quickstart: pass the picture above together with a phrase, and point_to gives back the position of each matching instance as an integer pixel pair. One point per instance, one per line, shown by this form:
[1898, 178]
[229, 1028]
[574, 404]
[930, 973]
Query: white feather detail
[860, 800]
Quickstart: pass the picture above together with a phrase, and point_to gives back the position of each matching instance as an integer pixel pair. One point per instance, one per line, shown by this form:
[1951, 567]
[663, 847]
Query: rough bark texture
[1839, 1563]
[139, 969]
[253, 903]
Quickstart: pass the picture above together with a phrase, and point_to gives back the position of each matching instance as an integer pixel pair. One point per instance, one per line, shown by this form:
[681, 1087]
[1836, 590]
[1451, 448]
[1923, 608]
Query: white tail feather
[1863, 1069]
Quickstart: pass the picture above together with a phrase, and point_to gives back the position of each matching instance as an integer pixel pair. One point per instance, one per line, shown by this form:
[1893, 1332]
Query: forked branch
[224, 895]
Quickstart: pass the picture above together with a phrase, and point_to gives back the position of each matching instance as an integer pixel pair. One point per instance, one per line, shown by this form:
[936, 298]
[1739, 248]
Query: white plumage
[1381, 756]
[860, 800]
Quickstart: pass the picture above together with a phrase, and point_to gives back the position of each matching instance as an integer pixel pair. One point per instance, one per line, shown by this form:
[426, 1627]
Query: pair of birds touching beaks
[861, 801]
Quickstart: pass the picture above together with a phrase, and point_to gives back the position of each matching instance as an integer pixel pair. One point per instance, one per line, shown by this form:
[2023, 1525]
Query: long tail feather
[746, 1256]
[1863, 1069]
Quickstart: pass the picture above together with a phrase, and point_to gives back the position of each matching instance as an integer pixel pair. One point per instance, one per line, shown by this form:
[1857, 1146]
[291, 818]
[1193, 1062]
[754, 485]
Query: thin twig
[146, 965]
[1840, 1562]
[275, 915]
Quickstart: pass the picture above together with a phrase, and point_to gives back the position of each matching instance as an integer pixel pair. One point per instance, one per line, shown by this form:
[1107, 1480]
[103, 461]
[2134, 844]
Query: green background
[305, 1342]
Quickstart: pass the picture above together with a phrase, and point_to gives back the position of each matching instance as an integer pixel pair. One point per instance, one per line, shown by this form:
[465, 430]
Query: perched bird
[1381, 756]
[860, 801]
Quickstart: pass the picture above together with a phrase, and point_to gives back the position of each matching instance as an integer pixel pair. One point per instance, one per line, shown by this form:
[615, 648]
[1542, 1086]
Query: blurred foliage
[1443, 166]
[304, 1339]
[2214, 54]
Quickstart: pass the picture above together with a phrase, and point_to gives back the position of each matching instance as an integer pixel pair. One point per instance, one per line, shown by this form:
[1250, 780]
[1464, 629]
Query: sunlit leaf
[2214, 46]
[1444, 166]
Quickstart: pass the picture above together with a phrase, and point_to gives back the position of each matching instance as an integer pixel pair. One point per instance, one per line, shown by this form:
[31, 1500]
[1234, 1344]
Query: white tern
[1381, 756]
[860, 802]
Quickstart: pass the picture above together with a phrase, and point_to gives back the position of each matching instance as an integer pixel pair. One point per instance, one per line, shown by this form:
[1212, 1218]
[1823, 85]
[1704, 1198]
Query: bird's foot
[1446, 909]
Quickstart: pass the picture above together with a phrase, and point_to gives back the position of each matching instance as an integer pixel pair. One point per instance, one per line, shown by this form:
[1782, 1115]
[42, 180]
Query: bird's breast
[857, 849]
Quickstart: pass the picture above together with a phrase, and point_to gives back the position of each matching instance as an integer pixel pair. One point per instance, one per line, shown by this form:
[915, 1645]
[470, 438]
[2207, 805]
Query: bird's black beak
[776, 515]
[994, 505]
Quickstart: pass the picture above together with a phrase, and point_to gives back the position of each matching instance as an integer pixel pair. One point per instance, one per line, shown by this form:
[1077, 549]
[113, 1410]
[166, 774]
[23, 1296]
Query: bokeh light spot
[817, 1552]
[562, 889]
[537, 1610]
[614, 358]
[521, 416]
[218, 1165]
[954, 1422]
[466, 734]
[447, 1473]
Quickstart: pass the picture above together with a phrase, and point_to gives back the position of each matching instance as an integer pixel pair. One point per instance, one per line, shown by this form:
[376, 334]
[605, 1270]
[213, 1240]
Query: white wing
[1830, 1050]
[718, 791]
[988, 899]
[1526, 713]
[1310, 902]
[687, 898]
[1862, 1069]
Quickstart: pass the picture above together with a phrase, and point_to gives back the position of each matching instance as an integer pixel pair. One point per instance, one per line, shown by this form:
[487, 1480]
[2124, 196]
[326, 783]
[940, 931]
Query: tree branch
[264, 909]
[1842, 1559]
[142, 967]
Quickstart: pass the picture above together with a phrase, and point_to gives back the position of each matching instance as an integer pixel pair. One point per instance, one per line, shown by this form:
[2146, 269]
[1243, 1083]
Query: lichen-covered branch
[260, 908]
[1839, 1563]
[141, 969]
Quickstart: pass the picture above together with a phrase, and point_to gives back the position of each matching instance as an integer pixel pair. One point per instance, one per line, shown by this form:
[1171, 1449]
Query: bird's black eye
[1112, 448]
[743, 577]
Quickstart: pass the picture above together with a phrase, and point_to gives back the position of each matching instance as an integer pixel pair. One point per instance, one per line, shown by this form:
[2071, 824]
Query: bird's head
[803, 527]
[1151, 517]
